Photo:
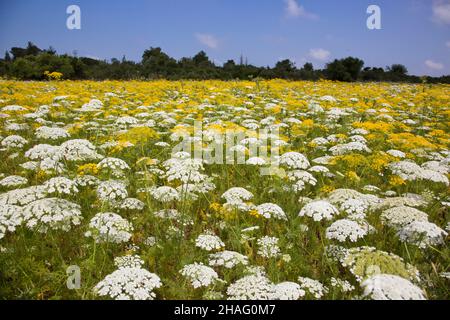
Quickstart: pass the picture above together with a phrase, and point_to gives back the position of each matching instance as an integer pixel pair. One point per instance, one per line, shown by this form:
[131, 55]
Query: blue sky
[414, 32]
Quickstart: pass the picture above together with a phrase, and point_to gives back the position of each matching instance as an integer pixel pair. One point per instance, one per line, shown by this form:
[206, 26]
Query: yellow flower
[396, 181]
[88, 169]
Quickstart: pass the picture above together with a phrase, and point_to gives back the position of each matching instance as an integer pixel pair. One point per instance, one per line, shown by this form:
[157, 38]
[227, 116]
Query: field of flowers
[353, 202]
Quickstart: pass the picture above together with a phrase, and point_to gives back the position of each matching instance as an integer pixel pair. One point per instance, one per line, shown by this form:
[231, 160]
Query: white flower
[52, 213]
[268, 247]
[113, 164]
[10, 218]
[313, 287]
[165, 194]
[111, 191]
[199, 275]
[342, 285]
[391, 287]
[422, 234]
[79, 150]
[288, 291]
[128, 261]
[319, 210]
[109, 227]
[344, 229]
[252, 287]
[398, 217]
[237, 195]
[228, 259]
[209, 242]
[294, 160]
[132, 204]
[60, 185]
[14, 142]
[13, 181]
[51, 133]
[269, 210]
[129, 284]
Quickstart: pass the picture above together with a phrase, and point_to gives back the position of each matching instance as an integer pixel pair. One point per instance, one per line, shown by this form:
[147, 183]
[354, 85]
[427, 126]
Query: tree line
[33, 63]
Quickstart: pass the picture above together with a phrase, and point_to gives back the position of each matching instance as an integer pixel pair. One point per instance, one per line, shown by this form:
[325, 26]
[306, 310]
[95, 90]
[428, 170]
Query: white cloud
[293, 9]
[319, 54]
[441, 11]
[434, 65]
[208, 40]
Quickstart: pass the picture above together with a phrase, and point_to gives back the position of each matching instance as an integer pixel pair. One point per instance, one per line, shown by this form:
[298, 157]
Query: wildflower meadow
[262, 189]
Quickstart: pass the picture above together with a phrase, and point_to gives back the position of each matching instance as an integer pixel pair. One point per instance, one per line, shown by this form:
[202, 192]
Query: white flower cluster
[86, 181]
[391, 287]
[113, 164]
[401, 216]
[10, 218]
[53, 213]
[111, 191]
[128, 261]
[422, 234]
[345, 229]
[22, 197]
[199, 275]
[355, 208]
[79, 150]
[319, 210]
[342, 285]
[227, 259]
[288, 291]
[313, 287]
[109, 227]
[237, 195]
[350, 147]
[132, 204]
[294, 161]
[209, 242]
[13, 181]
[410, 171]
[60, 185]
[129, 284]
[184, 169]
[165, 194]
[51, 133]
[252, 287]
[269, 210]
[300, 179]
[14, 142]
[268, 247]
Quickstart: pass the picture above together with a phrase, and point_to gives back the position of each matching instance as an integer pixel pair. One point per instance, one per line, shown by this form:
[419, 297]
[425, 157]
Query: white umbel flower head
[268, 247]
[227, 259]
[252, 287]
[10, 218]
[294, 160]
[60, 185]
[422, 234]
[111, 191]
[313, 287]
[345, 229]
[209, 242]
[288, 291]
[199, 275]
[237, 195]
[165, 194]
[269, 210]
[109, 227]
[319, 210]
[52, 213]
[391, 287]
[129, 284]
